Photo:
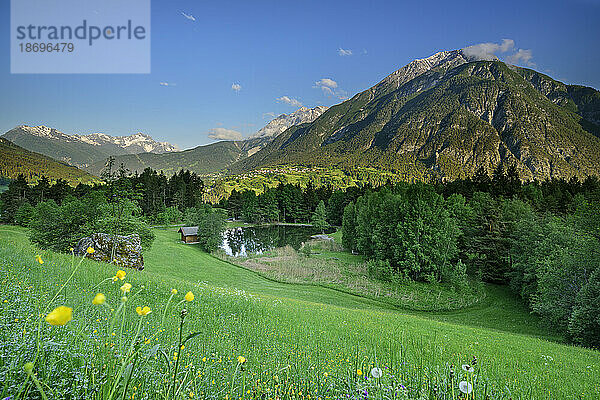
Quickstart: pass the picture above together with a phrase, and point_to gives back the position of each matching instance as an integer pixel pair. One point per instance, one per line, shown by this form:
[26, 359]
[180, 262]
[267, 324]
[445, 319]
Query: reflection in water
[239, 242]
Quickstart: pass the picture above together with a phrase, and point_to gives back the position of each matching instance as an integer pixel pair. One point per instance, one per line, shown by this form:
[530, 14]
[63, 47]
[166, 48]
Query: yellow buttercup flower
[189, 296]
[90, 250]
[59, 316]
[119, 275]
[99, 299]
[241, 359]
[358, 372]
[38, 258]
[126, 288]
[143, 311]
[173, 291]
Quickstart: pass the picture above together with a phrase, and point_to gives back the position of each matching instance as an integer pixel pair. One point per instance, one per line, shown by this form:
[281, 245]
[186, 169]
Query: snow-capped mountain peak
[136, 143]
[284, 121]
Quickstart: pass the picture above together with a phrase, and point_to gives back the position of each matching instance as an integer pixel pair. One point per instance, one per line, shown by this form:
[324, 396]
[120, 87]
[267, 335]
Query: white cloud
[344, 52]
[224, 134]
[236, 87]
[522, 56]
[268, 115]
[289, 100]
[487, 51]
[189, 16]
[166, 84]
[329, 87]
[326, 82]
[507, 45]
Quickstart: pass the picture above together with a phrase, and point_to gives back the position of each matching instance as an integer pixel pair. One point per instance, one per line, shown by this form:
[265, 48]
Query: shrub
[381, 270]
[584, 324]
[211, 225]
[24, 214]
[170, 215]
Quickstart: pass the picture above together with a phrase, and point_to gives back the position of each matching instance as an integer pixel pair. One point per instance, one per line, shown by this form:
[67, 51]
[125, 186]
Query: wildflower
[189, 296]
[465, 387]
[119, 275]
[90, 250]
[325, 374]
[99, 299]
[38, 258]
[126, 288]
[376, 373]
[59, 316]
[28, 367]
[143, 311]
[467, 368]
[241, 359]
[173, 291]
[358, 372]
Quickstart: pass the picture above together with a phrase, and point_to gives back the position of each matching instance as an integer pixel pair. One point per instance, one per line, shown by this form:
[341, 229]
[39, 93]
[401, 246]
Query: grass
[329, 266]
[299, 340]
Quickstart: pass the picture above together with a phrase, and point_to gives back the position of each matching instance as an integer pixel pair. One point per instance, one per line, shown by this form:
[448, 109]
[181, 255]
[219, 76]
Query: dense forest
[540, 238]
[17, 161]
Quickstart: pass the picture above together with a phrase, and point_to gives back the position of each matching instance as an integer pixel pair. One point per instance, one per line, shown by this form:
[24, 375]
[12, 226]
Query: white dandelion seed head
[376, 373]
[467, 367]
[465, 387]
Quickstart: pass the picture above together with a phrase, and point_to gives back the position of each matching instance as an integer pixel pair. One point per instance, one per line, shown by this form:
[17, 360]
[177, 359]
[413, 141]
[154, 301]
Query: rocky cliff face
[284, 121]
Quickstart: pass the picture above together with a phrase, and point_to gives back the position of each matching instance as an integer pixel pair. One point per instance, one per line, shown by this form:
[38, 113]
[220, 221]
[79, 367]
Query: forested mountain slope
[15, 160]
[445, 117]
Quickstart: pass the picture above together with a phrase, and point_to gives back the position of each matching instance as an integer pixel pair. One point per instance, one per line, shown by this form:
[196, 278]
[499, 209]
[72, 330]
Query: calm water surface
[241, 242]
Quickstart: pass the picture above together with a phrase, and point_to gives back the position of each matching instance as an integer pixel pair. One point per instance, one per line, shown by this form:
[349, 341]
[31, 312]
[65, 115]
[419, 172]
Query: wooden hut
[189, 234]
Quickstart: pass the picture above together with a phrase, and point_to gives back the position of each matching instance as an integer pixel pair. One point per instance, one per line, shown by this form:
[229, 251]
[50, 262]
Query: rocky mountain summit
[284, 121]
[83, 150]
[446, 116]
[136, 143]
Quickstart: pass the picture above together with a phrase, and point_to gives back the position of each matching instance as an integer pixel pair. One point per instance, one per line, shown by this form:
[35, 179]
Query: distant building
[189, 234]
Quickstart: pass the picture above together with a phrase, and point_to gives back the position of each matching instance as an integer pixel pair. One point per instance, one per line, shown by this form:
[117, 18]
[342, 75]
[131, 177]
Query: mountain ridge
[444, 117]
[284, 121]
[82, 150]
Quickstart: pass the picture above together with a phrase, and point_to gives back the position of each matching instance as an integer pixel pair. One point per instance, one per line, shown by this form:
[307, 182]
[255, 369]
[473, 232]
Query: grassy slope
[499, 310]
[309, 325]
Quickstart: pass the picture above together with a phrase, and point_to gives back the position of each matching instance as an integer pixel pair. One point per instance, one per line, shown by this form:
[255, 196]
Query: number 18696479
[46, 47]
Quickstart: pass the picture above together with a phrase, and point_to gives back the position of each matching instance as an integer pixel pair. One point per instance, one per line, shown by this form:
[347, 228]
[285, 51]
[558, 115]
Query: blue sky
[273, 49]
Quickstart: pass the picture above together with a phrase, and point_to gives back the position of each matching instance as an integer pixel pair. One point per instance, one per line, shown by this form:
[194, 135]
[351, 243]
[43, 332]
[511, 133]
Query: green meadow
[296, 341]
